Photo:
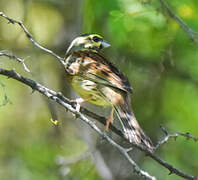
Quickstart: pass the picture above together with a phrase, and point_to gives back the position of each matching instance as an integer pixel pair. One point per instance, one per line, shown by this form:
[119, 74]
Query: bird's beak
[105, 44]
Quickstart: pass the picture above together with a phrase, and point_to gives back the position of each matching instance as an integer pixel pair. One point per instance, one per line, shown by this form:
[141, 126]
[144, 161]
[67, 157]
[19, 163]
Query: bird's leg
[78, 103]
[109, 120]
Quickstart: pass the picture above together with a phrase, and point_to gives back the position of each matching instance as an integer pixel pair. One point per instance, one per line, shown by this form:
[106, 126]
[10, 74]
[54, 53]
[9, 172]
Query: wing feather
[97, 68]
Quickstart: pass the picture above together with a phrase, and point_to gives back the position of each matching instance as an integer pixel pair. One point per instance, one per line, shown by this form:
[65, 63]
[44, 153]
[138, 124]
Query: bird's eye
[96, 39]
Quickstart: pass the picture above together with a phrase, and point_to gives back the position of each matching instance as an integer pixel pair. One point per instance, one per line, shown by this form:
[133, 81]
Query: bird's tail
[131, 128]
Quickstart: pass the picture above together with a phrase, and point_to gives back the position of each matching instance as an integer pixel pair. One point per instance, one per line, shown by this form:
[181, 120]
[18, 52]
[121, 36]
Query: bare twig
[59, 98]
[189, 31]
[16, 59]
[12, 21]
[188, 136]
[165, 139]
[175, 135]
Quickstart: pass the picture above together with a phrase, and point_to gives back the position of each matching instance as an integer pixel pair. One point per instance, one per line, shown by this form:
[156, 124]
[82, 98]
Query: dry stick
[190, 32]
[67, 104]
[15, 58]
[168, 136]
[12, 21]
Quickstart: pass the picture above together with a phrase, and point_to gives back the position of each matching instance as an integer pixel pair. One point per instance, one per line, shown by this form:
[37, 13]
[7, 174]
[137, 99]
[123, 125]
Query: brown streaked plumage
[99, 82]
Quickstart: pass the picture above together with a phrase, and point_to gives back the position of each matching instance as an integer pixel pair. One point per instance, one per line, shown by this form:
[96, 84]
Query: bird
[97, 81]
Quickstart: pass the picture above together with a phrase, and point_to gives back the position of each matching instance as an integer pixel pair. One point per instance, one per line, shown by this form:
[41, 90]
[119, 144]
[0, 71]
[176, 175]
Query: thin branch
[59, 98]
[16, 59]
[165, 139]
[189, 31]
[168, 136]
[68, 105]
[29, 36]
[188, 136]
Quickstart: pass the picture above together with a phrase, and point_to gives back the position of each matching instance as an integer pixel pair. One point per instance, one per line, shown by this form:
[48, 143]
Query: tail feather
[131, 128]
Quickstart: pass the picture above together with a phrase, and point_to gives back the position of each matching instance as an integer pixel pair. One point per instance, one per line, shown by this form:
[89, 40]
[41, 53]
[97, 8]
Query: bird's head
[92, 42]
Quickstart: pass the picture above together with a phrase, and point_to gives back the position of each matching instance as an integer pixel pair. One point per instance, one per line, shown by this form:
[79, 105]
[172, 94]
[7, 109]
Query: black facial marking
[96, 39]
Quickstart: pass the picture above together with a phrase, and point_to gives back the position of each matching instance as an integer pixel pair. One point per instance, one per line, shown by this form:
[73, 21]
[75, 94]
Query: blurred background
[148, 46]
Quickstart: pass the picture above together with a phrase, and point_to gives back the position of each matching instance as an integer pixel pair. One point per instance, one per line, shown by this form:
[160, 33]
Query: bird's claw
[78, 103]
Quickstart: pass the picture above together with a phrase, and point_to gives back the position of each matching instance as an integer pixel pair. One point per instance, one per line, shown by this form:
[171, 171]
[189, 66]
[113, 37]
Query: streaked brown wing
[95, 66]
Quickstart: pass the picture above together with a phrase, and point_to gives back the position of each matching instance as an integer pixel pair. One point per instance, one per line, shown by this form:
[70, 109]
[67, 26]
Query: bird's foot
[78, 103]
[109, 120]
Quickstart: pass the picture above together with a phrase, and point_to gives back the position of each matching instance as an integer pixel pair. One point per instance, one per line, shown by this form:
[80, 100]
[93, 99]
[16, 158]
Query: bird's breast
[89, 90]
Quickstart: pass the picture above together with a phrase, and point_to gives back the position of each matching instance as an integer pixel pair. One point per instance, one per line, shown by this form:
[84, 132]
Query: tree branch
[60, 99]
[189, 31]
[66, 103]
[29, 36]
[168, 136]
[15, 58]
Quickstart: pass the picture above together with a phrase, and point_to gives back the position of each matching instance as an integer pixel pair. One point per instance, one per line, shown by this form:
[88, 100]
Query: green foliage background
[147, 45]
